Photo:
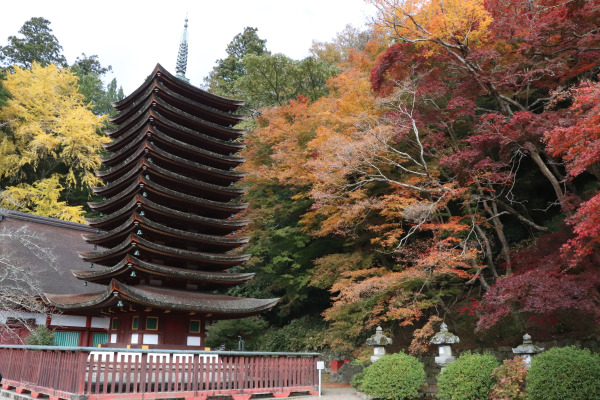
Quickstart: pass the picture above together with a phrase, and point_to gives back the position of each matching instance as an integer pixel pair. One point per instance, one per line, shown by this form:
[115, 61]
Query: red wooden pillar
[202, 332]
[84, 340]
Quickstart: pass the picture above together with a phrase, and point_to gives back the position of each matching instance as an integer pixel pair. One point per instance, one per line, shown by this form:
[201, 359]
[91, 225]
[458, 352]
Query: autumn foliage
[457, 154]
[50, 141]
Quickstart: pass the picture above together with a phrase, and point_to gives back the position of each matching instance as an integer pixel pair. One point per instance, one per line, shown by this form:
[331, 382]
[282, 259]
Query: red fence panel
[136, 374]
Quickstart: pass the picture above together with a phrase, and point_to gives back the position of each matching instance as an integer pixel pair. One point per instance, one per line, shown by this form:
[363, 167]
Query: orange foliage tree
[428, 156]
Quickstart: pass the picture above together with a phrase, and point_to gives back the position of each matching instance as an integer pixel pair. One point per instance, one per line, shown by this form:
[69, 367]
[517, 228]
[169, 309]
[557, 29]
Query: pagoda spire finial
[183, 53]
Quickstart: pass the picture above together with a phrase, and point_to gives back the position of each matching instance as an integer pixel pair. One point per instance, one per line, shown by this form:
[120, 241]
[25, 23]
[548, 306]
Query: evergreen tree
[90, 72]
[37, 44]
[222, 78]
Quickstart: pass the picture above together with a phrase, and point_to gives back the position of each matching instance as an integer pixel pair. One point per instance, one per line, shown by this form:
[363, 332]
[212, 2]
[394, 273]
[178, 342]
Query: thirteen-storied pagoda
[166, 235]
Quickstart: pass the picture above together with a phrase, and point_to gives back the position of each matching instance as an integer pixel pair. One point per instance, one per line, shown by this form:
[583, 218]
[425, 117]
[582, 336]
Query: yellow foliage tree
[48, 130]
[449, 23]
[41, 198]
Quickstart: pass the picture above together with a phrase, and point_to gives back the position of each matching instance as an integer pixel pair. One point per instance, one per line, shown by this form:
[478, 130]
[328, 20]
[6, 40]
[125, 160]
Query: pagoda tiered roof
[157, 212]
[169, 208]
[183, 88]
[123, 271]
[215, 306]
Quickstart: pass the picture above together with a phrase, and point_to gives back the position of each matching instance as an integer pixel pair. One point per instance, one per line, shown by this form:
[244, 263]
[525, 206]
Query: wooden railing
[86, 373]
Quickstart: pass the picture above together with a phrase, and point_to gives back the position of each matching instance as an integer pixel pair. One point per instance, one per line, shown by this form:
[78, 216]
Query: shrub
[510, 380]
[394, 376]
[357, 381]
[40, 336]
[227, 332]
[468, 378]
[564, 373]
[302, 334]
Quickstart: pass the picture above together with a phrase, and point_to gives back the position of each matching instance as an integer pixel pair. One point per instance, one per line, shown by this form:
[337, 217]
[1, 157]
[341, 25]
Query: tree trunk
[535, 154]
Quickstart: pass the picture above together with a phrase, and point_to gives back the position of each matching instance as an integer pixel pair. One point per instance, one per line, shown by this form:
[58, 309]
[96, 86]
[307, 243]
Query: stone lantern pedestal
[378, 341]
[444, 339]
[527, 350]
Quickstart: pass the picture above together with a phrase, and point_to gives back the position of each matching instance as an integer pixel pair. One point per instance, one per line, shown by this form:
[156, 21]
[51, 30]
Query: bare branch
[20, 288]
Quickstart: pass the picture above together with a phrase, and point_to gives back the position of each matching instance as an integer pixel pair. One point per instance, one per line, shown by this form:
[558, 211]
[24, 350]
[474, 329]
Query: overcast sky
[133, 35]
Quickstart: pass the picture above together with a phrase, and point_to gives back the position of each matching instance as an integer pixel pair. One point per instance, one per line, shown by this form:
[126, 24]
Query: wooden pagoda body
[166, 240]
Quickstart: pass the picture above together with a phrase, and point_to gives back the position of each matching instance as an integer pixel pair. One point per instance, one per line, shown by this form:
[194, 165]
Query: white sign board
[320, 364]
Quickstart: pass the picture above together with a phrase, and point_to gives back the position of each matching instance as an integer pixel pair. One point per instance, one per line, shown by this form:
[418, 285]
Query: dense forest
[442, 164]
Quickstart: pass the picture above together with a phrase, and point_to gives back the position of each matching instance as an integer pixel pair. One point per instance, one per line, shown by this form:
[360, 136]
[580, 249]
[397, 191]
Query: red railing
[131, 374]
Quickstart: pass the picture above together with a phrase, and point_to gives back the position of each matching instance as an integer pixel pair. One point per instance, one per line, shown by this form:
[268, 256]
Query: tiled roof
[124, 269]
[140, 203]
[153, 134]
[152, 170]
[209, 113]
[217, 305]
[212, 261]
[159, 72]
[137, 221]
[62, 238]
[155, 103]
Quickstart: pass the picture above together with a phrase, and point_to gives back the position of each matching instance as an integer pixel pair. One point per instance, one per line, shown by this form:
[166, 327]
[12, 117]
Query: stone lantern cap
[444, 337]
[527, 347]
[379, 339]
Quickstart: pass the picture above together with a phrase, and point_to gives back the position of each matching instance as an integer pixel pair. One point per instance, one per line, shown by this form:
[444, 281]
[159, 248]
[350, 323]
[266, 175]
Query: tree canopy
[37, 44]
[222, 78]
[50, 141]
[447, 158]
[90, 72]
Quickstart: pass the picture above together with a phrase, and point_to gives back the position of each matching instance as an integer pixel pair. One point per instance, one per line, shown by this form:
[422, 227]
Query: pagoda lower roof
[152, 188]
[223, 193]
[155, 105]
[140, 203]
[212, 261]
[210, 305]
[136, 221]
[190, 91]
[122, 272]
[152, 134]
[209, 113]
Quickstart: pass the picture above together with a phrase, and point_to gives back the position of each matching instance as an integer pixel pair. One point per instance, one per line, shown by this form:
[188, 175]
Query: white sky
[133, 35]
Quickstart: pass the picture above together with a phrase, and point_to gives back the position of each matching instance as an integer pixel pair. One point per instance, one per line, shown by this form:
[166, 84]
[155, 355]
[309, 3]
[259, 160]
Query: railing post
[58, 368]
[82, 364]
[144, 373]
[194, 378]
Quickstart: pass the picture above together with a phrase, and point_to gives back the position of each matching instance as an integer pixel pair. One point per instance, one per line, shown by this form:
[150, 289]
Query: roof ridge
[19, 215]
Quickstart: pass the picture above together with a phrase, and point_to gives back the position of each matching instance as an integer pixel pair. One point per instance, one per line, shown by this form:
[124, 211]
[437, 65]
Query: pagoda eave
[159, 89]
[154, 134]
[160, 73]
[155, 106]
[123, 271]
[135, 242]
[149, 151]
[149, 188]
[225, 193]
[137, 222]
[142, 204]
[208, 304]
[154, 119]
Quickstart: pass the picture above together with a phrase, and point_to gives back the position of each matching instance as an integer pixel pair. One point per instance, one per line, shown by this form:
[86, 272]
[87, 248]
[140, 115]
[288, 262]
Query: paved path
[326, 394]
[331, 394]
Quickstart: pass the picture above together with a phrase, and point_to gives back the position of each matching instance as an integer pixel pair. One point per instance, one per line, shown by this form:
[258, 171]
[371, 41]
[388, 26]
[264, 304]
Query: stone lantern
[378, 341]
[443, 339]
[527, 349]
